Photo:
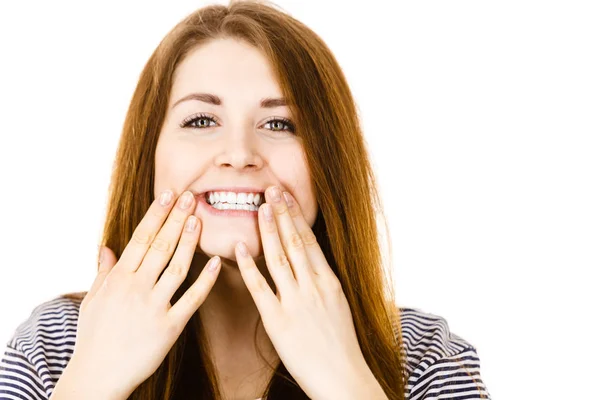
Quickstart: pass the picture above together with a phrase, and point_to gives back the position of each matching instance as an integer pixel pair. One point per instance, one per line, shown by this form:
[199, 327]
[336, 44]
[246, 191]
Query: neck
[229, 311]
[229, 317]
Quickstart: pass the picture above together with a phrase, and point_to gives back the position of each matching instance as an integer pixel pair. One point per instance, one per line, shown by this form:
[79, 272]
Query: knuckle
[113, 280]
[294, 211]
[159, 212]
[281, 260]
[192, 297]
[104, 268]
[162, 245]
[334, 286]
[173, 330]
[280, 210]
[107, 283]
[188, 239]
[176, 269]
[140, 237]
[295, 241]
[312, 292]
[262, 285]
[308, 237]
[178, 218]
[271, 227]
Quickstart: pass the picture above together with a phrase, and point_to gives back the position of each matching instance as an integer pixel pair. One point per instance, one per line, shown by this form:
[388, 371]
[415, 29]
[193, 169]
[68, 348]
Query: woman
[236, 101]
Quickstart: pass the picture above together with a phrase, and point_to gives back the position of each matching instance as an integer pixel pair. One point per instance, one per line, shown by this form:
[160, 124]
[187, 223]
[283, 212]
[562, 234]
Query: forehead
[229, 68]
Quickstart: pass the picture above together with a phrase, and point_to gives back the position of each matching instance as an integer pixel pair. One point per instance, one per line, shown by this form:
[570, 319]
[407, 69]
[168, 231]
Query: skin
[240, 149]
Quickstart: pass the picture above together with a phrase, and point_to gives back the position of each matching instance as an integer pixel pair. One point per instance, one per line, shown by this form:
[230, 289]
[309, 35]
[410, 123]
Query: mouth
[231, 204]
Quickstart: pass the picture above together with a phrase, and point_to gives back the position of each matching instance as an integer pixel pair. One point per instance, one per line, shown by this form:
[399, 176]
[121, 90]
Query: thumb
[106, 260]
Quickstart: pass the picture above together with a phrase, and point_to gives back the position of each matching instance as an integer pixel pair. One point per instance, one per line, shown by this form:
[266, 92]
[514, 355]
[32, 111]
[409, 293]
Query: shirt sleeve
[19, 378]
[39, 350]
[451, 377]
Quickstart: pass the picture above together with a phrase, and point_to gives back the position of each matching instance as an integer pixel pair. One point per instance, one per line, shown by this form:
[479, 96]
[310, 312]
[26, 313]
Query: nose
[240, 150]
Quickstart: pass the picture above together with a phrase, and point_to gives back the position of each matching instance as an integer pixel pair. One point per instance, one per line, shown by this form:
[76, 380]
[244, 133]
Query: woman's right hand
[126, 323]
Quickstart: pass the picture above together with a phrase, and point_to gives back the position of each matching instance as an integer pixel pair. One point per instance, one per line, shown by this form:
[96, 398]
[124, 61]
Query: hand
[126, 323]
[309, 320]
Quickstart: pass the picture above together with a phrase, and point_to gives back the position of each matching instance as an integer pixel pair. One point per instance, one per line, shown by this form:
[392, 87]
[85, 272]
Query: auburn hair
[346, 227]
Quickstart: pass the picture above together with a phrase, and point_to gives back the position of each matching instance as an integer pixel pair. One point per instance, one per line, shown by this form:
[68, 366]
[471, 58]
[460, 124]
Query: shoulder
[438, 361]
[427, 337]
[40, 348]
[50, 324]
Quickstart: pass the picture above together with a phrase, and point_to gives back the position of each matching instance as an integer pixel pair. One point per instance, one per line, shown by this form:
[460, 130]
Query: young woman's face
[242, 147]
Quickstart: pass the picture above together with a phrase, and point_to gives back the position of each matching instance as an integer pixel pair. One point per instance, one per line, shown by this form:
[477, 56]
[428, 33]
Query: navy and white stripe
[440, 364]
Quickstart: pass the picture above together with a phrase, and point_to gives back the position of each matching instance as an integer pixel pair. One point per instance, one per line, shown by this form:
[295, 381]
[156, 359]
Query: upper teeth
[235, 198]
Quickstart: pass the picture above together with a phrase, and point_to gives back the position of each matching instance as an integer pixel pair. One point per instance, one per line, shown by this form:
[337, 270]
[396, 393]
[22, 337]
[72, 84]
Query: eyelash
[190, 120]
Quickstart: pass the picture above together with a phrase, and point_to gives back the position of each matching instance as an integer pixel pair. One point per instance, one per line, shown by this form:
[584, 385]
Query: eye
[282, 121]
[192, 122]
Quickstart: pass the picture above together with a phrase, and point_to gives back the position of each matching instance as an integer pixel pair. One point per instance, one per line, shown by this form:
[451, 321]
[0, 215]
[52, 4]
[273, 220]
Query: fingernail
[275, 194]
[186, 200]
[190, 225]
[288, 199]
[166, 197]
[268, 212]
[242, 248]
[214, 263]
[101, 255]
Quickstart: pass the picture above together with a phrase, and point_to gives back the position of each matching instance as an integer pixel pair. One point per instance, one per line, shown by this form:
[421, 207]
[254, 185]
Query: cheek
[309, 206]
[292, 171]
[175, 164]
[161, 182]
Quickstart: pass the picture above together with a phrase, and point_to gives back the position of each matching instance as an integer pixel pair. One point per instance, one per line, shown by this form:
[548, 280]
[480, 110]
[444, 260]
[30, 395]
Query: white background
[482, 118]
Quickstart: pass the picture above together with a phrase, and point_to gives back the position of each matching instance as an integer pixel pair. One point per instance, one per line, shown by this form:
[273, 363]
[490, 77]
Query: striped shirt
[440, 364]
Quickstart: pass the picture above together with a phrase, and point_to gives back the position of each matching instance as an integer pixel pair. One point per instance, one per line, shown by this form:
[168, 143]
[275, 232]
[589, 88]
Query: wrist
[366, 386]
[77, 382]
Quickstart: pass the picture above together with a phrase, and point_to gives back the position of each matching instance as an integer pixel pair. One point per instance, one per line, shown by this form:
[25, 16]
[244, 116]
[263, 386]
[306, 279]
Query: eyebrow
[209, 98]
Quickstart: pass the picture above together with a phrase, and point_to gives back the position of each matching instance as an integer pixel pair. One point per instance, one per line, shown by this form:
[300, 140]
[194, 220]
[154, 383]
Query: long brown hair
[327, 121]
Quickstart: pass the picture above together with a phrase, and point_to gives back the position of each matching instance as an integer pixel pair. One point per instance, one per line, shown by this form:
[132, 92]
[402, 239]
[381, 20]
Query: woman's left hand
[309, 320]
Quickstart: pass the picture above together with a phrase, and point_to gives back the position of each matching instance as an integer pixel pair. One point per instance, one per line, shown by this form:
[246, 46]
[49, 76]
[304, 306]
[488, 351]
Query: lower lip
[225, 213]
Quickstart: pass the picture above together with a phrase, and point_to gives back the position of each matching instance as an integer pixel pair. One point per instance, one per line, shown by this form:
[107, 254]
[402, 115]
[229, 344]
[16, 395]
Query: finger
[106, 261]
[174, 275]
[144, 233]
[262, 294]
[181, 312]
[289, 238]
[318, 262]
[275, 257]
[164, 244]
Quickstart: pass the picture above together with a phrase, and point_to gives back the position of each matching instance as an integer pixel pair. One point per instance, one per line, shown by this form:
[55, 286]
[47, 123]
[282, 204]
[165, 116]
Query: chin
[224, 246]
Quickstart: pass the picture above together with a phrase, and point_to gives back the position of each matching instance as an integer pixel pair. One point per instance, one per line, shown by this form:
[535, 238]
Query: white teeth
[231, 197]
[227, 206]
[252, 199]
